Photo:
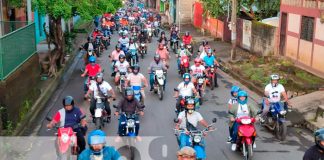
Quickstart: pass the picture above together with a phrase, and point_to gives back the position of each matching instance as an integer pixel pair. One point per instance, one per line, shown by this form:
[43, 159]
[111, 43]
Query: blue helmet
[97, 137]
[235, 89]
[319, 136]
[92, 59]
[242, 94]
[186, 75]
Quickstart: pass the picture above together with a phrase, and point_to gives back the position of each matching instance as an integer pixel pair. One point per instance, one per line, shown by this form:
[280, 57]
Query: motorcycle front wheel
[160, 92]
[281, 131]
[98, 123]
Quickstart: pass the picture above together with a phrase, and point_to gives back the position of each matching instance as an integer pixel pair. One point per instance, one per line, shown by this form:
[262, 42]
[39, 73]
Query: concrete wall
[263, 38]
[19, 86]
[186, 10]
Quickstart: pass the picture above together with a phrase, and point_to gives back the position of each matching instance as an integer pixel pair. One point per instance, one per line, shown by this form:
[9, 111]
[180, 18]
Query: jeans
[234, 133]
[265, 108]
[178, 62]
[122, 125]
[93, 106]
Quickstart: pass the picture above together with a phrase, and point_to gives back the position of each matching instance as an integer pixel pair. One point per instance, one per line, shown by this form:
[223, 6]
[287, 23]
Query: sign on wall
[247, 32]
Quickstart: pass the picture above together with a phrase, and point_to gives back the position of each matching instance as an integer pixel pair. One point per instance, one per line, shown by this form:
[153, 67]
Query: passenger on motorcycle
[182, 51]
[188, 121]
[187, 38]
[89, 46]
[238, 110]
[316, 152]
[121, 66]
[98, 149]
[273, 93]
[91, 70]
[163, 39]
[128, 105]
[185, 88]
[132, 46]
[198, 70]
[137, 79]
[114, 57]
[70, 116]
[157, 64]
[100, 89]
[164, 54]
[124, 41]
[231, 101]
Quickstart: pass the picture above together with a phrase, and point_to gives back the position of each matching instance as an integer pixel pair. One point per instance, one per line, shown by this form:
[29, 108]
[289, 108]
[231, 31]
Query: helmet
[204, 43]
[209, 51]
[190, 101]
[157, 57]
[187, 33]
[274, 77]
[235, 89]
[121, 56]
[118, 46]
[96, 29]
[162, 33]
[99, 75]
[242, 94]
[96, 137]
[68, 100]
[197, 60]
[182, 45]
[92, 59]
[319, 136]
[136, 67]
[185, 76]
[129, 92]
[89, 39]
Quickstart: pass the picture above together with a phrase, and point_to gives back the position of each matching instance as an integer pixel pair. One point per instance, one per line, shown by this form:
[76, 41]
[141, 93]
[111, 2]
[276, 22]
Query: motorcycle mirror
[83, 116]
[259, 112]
[48, 118]
[175, 89]
[214, 120]
[176, 120]
[114, 106]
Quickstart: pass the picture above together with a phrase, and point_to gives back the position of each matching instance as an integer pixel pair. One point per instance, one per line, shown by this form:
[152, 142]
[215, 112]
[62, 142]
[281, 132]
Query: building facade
[302, 33]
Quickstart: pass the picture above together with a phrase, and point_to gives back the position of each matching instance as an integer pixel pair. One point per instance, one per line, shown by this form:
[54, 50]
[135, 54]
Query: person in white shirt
[198, 70]
[185, 89]
[121, 66]
[100, 89]
[188, 120]
[273, 92]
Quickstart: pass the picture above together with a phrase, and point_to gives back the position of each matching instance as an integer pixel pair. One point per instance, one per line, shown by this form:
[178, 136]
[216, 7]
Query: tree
[65, 9]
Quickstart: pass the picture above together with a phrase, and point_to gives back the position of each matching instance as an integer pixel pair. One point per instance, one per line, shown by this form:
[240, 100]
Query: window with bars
[307, 28]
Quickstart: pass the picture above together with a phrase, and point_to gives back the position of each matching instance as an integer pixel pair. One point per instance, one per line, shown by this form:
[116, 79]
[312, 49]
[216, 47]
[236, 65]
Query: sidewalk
[305, 107]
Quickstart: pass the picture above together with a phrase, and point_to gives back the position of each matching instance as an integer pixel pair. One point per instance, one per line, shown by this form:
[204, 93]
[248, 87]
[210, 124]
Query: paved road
[158, 140]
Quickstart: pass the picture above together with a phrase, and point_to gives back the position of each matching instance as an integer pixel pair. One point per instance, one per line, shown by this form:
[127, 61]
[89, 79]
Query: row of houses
[297, 33]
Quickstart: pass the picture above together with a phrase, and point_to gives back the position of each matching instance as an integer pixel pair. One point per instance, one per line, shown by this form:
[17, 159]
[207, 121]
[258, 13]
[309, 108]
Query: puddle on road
[220, 114]
[227, 83]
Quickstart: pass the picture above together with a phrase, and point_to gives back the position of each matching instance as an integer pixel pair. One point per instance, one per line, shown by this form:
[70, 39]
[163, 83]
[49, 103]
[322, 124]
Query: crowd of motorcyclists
[136, 27]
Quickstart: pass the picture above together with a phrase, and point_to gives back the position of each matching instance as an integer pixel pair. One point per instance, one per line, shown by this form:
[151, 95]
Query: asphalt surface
[158, 140]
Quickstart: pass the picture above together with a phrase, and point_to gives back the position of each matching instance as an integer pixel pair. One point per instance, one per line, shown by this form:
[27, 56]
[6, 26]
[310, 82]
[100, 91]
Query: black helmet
[136, 67]
[204, 43]
[157, 57]
[319, 136]
[89, 39]
[162, 33]
[118, 46]
[122, 56]
[68, 100]
[129, 92]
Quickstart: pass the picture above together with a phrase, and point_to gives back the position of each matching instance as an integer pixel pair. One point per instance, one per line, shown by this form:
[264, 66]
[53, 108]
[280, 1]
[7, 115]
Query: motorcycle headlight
[197, 139]
[65, 138]
[201, 80]
[283, 112]
[130, 123]
[246, 121]
[185, 61]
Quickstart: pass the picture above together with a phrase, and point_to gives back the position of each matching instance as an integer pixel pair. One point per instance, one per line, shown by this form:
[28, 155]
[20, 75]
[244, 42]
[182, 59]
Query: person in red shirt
[187, 38]
[164, 54]
[96, 33]
[91, 70]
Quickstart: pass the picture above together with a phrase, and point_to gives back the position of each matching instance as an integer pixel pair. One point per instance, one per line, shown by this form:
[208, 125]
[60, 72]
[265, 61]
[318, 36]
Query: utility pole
[233, 28]
[29, 11]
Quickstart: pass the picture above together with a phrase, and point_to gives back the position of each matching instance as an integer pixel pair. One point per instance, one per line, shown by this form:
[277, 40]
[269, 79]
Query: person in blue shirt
[98, 149]
[210, 59]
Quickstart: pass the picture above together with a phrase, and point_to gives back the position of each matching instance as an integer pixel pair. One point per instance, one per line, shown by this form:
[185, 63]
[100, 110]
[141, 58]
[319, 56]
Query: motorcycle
[124, 48]
[156, 31]
[106, 38]
[138, 94]
[196, 139]
[98, 45]
[276, 119]
[159, 78]
[246, 136]
[66, 142]
[150, 35]
[142, 50]
[100, 116]
[212, 77]
[122, 80]
[190, 49]
[133, 57]
[199, 85]
[174, 44]
[184, 65]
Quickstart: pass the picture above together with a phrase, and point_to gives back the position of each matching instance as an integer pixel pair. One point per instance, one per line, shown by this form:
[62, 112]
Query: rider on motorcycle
[316, 152]
[114, 57]
[182, 51]
[124, 41]
[231, 101]
[96, 32]
[164, 54]
[70, 116]
[101, 89]
[210, 60]
[163, 39]
[198, 69]
[98, 149]
[157, 64]
[120, 66]
[132, 46]
[89, 46]
[91, 70]
[238, 110]
[187, 38]
[137, 79]
[188, 120]
[128, 105]
[142, 37]
[185, 88]
[124, 22]
[273, 92]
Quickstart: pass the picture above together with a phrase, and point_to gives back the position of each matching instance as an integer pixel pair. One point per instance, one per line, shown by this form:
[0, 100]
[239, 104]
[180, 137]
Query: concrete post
[29, 11]
[1, 18]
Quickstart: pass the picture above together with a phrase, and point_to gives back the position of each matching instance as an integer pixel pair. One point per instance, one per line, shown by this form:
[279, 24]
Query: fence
[15, 48]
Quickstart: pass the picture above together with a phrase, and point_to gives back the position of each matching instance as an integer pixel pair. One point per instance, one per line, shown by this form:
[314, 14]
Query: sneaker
[151, 89]
[254, 145]
[229, 139]
[233, 147]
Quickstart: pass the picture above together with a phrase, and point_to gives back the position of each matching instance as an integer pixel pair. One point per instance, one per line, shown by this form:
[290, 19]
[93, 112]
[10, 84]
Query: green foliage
[27, 104]
[16, 3]
[67, 8]
[215, 8]
[309, 78]
[10, 128]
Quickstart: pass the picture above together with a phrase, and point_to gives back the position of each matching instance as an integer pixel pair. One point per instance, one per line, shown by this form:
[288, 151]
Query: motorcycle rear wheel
[98, 123]
[281, 131]
[211, 83]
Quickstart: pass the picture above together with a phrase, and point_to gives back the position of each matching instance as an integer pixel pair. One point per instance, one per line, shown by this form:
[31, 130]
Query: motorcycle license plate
[212, 69]
[143, 44]
[201, 81]
[189, 46]
[98, 112]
